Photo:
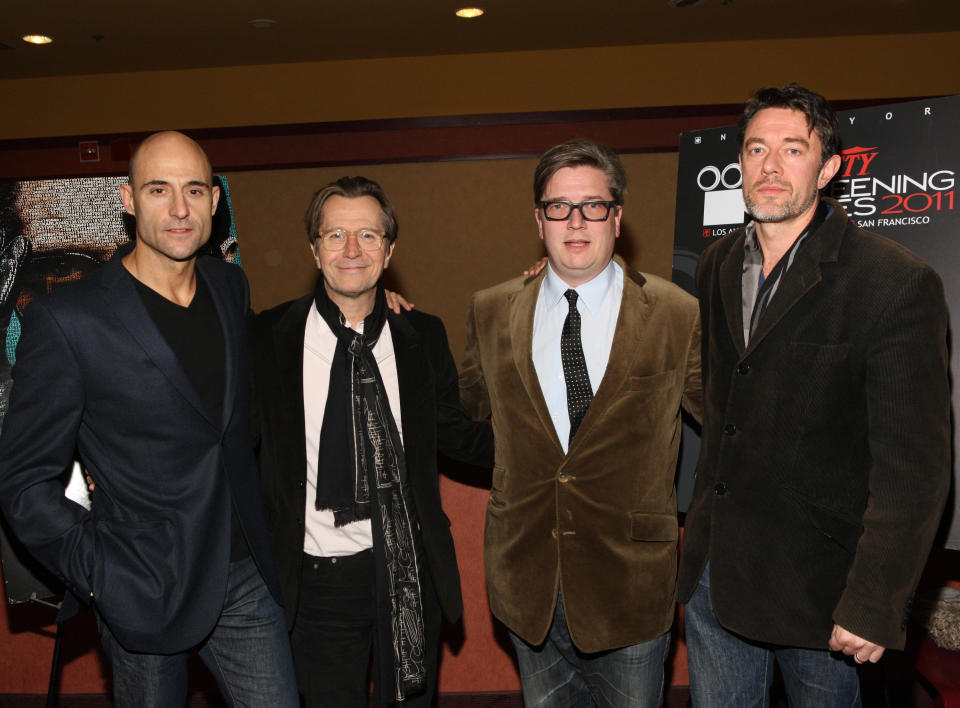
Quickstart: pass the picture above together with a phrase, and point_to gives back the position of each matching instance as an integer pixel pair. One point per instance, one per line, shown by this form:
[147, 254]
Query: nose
[576, 220]
[351, 249]
[771, 163]
[178, 206]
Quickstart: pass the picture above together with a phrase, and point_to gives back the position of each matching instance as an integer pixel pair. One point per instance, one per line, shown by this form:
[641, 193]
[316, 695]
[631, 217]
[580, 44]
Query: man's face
[351, 272]
[172, 197]
[578, 250]
[781, 167]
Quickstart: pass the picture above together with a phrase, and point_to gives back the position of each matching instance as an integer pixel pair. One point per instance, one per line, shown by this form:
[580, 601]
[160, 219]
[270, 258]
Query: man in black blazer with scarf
[353, 403]
[141, 368]
[826, 440]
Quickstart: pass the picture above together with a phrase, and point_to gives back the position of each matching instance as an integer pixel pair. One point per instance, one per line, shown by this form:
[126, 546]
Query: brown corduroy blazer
[600, 523]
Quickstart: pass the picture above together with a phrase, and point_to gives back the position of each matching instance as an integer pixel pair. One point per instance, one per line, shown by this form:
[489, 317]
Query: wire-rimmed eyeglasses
[336, 240]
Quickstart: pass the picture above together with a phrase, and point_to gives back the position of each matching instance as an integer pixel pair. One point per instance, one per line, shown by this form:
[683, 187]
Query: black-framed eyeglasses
[367, 239]
[560, 210]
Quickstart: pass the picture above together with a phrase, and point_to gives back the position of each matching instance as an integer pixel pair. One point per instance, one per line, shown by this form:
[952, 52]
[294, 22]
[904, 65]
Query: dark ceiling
[100, 36]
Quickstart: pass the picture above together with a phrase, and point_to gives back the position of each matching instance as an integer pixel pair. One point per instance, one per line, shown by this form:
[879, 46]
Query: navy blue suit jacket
[95, 377]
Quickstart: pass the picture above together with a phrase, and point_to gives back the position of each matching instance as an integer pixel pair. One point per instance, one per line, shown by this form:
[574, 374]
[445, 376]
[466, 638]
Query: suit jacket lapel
[794, 284]
[408, 356]
[232, 324]
[122, 297]
[522, 305]
[628, 342]
[731, 291]
[288, 334]
[821, 246]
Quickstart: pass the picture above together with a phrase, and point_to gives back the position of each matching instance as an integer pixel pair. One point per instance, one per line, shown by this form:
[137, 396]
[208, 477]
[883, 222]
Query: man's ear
[538, 216]
[827, 172]
[215, 198]
[126, 196]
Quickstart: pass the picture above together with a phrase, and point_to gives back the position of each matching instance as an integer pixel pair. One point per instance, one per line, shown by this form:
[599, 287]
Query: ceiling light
[37, 38]
[469, 12]
[263, 23]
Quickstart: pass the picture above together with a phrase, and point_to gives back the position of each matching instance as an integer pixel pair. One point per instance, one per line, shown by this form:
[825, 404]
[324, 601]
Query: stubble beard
[777, 213]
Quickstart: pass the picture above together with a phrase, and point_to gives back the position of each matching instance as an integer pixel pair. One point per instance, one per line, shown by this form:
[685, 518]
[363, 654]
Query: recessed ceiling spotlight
[262, 23]
[37, 39]
[469, 12]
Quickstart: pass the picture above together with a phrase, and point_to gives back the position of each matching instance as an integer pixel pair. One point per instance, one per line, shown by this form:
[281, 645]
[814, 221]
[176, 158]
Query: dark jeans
[247, 652]
[336, 628]
[728, 671]
[557, 675]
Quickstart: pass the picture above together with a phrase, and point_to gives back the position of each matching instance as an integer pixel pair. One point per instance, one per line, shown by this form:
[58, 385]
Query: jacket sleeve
[458, 435]
[473, 387]
[693, 384]
[37, 448]
[908, 427]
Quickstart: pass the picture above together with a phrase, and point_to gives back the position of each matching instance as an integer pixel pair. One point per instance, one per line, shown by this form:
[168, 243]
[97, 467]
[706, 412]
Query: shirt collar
[590, 293]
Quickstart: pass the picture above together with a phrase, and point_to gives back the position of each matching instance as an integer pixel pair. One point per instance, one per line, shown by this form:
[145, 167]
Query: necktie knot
[571, 296]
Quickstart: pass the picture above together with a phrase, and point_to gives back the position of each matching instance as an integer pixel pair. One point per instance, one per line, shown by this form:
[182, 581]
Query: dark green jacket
[826, 442]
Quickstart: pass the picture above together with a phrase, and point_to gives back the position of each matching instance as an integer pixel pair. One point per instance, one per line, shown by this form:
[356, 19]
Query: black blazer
[433, 420]
[95, 376]
[826, 442]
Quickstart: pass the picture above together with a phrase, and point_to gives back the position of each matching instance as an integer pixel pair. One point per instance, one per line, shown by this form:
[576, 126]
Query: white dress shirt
[598, 302]
[322, 537]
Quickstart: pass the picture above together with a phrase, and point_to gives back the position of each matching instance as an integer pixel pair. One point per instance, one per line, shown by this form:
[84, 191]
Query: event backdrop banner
[52, 233]
[898, 178]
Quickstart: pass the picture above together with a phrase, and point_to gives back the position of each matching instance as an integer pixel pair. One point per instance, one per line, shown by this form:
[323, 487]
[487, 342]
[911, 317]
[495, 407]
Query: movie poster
[898, 177]
[52, 233]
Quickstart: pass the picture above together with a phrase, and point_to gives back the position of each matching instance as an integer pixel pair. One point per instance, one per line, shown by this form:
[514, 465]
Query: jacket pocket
[842, 530]
[654, 382]
[132, 565]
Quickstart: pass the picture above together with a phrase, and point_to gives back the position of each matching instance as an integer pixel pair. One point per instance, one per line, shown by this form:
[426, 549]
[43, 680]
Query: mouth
[769, 189]
[180, 229]
[352, 268]
[576, 244]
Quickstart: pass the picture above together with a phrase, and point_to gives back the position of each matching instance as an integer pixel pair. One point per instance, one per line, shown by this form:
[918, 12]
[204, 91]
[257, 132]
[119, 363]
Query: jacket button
[730, 429]
[563, 477]
[720, 489]
[299, 522]
[553, 532]
[743, 369]
[300, 484]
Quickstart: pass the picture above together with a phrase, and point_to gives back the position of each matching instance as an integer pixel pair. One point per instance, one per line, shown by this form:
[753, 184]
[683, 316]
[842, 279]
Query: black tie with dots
[579, 392]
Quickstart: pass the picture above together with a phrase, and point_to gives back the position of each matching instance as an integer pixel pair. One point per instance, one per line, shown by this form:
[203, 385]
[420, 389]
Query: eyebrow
[163, 183]
[761, 141]
[594, 198]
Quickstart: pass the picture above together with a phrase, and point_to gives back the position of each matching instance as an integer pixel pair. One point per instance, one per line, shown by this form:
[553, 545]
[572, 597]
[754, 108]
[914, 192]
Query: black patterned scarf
[360, 451]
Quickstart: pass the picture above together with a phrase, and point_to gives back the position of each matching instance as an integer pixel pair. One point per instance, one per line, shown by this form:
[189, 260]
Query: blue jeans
[248, 653]
[728, 671]
[557, 675]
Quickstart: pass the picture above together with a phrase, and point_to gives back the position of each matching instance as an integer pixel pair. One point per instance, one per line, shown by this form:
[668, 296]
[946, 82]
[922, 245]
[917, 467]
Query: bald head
[168, 141]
